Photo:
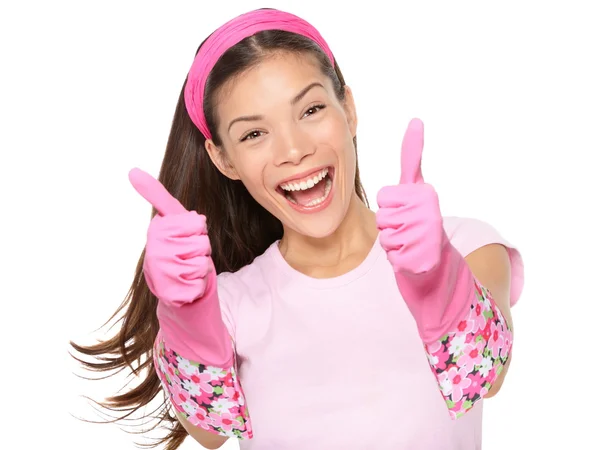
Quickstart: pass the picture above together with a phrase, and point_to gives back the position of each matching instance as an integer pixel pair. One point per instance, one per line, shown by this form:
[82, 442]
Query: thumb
[412, 152]
[155, 193]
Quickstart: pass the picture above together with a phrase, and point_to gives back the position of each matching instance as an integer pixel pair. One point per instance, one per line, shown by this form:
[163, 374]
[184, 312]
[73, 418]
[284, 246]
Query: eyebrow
[295, 100]
[304, 91]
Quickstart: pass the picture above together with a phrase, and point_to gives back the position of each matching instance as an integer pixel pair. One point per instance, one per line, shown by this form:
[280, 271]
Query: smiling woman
[291, 93]
[271, 304]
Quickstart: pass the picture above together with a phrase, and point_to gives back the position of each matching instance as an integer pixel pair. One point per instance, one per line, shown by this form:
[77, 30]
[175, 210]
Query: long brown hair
[238, 227]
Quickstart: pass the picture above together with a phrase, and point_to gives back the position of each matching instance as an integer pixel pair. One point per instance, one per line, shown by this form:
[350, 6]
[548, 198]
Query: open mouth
[310, 192]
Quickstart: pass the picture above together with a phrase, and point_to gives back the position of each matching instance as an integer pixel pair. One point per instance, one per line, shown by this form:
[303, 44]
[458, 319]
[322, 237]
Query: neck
[346, 247]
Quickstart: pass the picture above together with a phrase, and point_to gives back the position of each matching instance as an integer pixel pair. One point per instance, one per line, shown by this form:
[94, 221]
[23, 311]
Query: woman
[271, 304]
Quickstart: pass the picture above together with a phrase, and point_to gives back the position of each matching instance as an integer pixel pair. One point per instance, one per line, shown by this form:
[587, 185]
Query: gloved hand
[180, 272]
[431, 274]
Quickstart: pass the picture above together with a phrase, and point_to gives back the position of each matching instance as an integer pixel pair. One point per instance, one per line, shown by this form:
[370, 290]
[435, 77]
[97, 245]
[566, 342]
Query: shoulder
[247, 285]
[245, 278]
[469, 234]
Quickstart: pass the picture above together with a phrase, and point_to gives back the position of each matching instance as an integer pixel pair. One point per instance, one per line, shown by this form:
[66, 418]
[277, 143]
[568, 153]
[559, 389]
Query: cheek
[251, 170]
[350, 163]
[335, 133]
[343, 142]
[350, 156]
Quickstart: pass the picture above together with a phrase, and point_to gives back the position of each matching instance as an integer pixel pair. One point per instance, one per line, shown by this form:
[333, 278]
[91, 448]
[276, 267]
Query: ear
[350, 110]
[220, 159]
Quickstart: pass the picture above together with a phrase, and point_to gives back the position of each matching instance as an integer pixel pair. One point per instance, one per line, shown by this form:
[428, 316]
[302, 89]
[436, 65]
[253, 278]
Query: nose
[292, 146]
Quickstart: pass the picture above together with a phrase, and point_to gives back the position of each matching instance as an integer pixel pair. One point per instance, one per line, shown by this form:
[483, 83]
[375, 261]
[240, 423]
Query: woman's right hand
[193, 352]
[179, 271]
[177, 263]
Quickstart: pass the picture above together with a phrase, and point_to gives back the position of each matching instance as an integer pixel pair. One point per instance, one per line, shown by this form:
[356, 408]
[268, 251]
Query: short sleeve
[225, 289]
[467, 235]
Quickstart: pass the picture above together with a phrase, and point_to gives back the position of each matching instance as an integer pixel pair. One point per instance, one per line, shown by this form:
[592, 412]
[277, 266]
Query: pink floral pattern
[467, 362]
[208, 397]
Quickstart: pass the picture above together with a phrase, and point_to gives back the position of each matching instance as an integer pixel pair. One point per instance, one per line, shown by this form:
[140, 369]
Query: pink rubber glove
[180, 272]
[431, 274]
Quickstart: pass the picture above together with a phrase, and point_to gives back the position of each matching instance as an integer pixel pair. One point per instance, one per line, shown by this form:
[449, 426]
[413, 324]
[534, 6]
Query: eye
[252, 135]
[313, 110]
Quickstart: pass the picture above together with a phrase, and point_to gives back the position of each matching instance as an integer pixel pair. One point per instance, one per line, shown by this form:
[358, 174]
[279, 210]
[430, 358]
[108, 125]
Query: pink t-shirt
[337, 363]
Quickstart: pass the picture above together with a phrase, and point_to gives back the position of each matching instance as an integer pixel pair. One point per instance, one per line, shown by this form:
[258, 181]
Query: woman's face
[288, 138]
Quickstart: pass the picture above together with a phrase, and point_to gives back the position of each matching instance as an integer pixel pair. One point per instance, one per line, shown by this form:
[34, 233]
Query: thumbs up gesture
[431, 275]
[409, 218]
[180, 273]
[177, 260]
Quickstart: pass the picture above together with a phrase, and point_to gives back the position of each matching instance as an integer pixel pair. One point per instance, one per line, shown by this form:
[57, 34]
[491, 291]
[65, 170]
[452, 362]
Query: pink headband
[226, 37]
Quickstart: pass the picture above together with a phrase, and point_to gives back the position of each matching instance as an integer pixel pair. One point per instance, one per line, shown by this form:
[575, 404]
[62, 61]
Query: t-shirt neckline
[325, 283]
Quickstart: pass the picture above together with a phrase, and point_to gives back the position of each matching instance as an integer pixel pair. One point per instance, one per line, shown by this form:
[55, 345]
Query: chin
[317, 228]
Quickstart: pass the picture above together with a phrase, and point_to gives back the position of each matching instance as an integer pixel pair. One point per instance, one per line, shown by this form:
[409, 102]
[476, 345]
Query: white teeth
[317, 201]
[305, 184]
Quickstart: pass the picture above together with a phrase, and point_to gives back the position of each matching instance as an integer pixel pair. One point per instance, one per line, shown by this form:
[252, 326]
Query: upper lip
[301, 175]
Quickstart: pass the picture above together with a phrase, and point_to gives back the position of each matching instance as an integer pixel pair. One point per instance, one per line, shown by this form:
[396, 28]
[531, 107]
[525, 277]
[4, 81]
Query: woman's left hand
[409, 218]
[431, 275]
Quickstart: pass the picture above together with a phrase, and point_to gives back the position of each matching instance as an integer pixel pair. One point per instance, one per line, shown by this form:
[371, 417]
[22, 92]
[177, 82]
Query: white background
[509, 95]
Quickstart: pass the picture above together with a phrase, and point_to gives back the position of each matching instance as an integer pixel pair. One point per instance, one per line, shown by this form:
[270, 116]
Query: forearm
[205, 438]
[195, 330]
[491, 265]
[208, 398]
[471, 359]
